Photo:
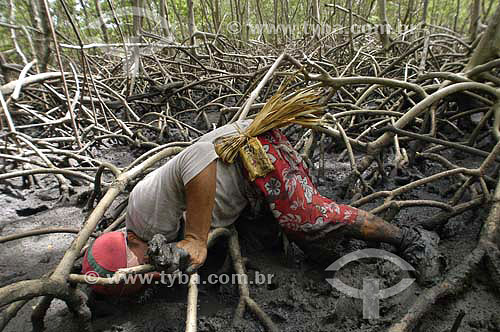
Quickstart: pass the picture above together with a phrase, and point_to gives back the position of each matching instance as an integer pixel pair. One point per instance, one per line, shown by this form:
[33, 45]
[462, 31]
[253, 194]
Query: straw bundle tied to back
[302, 108]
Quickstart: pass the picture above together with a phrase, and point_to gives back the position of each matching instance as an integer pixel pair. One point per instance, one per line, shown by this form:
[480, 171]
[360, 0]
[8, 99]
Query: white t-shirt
[157, 203]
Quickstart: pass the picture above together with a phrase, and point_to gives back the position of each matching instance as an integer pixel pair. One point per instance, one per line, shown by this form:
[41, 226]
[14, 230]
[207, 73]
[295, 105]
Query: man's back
[158, 201]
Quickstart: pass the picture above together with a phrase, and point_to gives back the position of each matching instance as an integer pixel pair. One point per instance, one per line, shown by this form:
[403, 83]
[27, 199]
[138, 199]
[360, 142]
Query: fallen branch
[41, 231]
[8, 88]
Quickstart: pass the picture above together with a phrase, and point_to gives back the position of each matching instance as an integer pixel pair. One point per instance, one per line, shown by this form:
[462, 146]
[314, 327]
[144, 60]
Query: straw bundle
[302, 108]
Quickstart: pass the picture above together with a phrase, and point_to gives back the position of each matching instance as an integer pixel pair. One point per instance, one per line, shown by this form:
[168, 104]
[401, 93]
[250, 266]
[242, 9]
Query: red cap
[103, 258]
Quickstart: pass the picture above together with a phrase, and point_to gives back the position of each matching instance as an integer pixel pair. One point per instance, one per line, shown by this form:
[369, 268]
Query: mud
[297, 297]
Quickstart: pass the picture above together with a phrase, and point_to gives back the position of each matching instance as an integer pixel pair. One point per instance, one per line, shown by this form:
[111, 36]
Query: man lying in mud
[197, 190]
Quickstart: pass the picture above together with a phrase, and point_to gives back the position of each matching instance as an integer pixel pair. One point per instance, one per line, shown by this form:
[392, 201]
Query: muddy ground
[298, 297]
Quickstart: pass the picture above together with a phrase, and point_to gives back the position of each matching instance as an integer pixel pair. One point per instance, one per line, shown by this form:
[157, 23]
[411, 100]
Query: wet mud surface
[297, 296]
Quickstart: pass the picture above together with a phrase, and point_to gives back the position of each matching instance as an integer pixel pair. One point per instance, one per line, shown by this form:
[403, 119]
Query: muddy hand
[197, 251]
[167, 256]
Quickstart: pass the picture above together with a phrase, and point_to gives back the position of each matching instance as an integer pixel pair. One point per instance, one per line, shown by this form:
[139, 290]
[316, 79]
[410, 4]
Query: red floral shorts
[295, 202]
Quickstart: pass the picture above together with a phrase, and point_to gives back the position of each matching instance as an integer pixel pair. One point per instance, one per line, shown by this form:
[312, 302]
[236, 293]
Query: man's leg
[303, 213]
[369, 227]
